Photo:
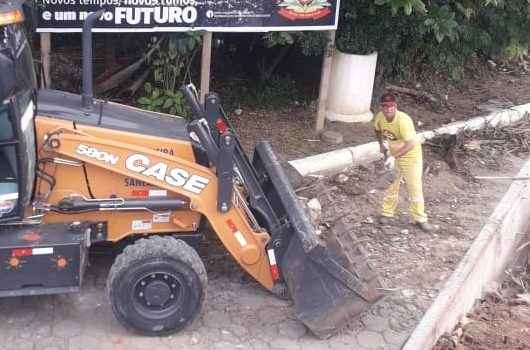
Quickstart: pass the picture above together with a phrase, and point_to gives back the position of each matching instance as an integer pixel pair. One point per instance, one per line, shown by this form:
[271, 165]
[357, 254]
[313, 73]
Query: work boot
[427, 227]
[384, 220]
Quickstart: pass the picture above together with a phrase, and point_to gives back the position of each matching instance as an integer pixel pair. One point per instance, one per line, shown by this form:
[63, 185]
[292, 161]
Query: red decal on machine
[237, 234]
[31, 237]
[140, 193]
[20, 252]
[275, 272]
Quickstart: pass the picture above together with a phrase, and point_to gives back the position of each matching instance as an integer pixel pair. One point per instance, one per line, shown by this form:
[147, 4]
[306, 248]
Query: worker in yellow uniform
[402, 149]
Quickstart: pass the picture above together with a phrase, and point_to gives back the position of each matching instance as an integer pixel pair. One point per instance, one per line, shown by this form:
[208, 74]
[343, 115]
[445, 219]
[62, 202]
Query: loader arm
[196, 182]
[328, 279]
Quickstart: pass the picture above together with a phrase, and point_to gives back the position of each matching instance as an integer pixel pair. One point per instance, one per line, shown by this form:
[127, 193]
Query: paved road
[238, 314]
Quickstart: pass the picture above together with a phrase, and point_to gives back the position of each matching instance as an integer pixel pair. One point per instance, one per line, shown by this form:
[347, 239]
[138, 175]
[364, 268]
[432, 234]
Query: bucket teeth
[347, 248]
[344, 245]
[324, 302]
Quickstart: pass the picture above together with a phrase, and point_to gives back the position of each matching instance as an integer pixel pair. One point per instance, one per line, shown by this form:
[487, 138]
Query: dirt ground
[291, 129]
[412, 265]
[501, 319]
[407, 258]
[446, 192]
[494, 324]
[410, 262]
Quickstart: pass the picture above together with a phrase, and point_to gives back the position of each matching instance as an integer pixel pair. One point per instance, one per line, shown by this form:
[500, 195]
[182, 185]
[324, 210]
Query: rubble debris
[487, 147]
[500, 319]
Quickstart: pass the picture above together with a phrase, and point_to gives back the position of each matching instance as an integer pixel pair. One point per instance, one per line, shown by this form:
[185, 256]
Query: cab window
[6, 124]
[8, 163]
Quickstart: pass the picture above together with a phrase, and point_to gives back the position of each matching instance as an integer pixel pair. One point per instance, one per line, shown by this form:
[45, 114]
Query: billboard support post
[324, 81]
[206, 60]
[45, 49]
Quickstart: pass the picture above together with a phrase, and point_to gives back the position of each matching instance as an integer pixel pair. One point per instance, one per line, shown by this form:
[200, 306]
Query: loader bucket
[326, 275]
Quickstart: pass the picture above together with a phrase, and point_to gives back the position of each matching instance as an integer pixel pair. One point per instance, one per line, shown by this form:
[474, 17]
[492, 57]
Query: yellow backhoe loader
[75, 171]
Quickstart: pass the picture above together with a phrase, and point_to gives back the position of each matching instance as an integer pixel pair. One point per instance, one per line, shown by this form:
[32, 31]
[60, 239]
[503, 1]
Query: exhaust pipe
[87, 93]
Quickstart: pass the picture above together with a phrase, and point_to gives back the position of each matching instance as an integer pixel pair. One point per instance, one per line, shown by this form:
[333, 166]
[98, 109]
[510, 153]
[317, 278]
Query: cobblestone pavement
[238, 314]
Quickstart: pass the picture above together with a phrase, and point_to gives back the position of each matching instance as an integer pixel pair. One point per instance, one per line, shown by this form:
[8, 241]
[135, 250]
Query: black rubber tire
[175, 268]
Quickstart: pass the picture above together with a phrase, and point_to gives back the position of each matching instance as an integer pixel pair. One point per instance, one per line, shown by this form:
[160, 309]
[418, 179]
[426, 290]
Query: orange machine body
[103, 163]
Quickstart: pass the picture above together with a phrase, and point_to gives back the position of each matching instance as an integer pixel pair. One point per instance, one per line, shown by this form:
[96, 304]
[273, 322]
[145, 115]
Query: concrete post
[45, 50]
[206, 60]
[324, 82]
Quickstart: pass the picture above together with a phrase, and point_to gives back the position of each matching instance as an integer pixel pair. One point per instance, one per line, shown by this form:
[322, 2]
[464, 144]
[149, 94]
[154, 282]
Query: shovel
[388, 176]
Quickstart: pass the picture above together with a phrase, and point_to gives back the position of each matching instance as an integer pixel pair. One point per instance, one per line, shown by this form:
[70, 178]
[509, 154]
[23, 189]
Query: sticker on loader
[141, 225]
[177, 177]
[157, 193]
[92, 152]
[161, 217]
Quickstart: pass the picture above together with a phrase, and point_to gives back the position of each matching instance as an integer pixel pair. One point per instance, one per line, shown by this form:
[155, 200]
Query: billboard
[184, 15]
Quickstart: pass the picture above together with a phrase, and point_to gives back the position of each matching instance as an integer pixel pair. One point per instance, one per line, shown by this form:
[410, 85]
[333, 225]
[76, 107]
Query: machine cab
[17, 155]
[8, 164]
[17, 108]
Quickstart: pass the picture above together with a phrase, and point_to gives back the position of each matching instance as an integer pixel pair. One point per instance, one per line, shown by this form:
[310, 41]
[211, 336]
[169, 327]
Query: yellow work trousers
[410, 170]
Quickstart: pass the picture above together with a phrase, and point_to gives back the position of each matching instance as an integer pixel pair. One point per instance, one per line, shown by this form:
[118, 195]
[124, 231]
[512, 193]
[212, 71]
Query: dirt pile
[488, 147]
[291, 129]
[500, 320]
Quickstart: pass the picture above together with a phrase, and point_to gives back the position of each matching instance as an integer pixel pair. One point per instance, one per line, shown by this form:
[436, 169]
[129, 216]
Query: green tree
[170, 67]
[440, 35]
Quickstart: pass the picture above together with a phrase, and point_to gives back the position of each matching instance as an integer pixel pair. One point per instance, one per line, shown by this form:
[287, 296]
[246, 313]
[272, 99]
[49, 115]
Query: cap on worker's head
[388, 99]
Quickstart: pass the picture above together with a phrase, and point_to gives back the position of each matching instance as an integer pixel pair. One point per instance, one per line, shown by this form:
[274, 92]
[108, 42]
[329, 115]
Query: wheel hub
[157, 290]
[157, 293]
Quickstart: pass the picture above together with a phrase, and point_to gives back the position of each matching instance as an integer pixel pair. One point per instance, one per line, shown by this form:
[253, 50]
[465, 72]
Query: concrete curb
[485, 261]
[336, 161]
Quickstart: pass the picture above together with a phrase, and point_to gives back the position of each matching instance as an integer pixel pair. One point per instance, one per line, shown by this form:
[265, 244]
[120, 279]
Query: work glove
[390, 163]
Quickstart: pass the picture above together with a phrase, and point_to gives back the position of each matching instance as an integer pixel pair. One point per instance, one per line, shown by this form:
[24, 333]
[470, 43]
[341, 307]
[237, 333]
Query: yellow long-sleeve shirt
[399, 130]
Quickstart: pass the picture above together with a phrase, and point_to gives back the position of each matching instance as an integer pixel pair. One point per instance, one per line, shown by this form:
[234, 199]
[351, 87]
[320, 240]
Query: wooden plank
[324, 82]
[45, 50]
[206, 60]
